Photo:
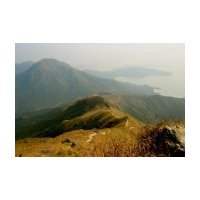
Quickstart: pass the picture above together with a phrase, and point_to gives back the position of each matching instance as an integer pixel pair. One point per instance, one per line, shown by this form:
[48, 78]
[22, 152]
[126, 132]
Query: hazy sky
[105, 56]
[168, 57]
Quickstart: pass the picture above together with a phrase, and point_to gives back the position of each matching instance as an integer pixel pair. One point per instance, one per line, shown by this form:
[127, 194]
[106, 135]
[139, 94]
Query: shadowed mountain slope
[88, 113]
[96, 126]
[99, 112]
[49, 83]
[150, 108]
[22, 67]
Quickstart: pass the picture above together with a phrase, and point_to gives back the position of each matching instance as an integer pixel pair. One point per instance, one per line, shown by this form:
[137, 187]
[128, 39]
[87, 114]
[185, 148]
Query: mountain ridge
[22, 67]
[98, 126]
[48, 83]
[34, 124]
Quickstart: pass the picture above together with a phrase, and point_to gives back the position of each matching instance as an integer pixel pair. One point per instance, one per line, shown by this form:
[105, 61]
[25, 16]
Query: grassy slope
[116, 141]
[91, 112]
[96, 127]
[62, 145]
[149, 109]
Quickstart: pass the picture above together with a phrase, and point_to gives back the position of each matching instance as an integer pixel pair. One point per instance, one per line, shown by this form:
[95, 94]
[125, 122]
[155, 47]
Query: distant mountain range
[129, 72]
[49, 83]
[150, 109]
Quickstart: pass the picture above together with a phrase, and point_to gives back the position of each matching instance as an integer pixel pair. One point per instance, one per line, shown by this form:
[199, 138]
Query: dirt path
[103, 133]
[131, 128]
[91, 136]
[126, 124]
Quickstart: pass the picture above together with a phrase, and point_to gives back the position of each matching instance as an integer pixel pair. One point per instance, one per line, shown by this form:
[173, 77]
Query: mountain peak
[93, 101]
[86, 104]
[49, 63]
[49, 60]
[49, 83]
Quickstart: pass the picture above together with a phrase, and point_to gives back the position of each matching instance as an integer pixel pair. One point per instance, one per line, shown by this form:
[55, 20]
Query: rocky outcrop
[160, 141]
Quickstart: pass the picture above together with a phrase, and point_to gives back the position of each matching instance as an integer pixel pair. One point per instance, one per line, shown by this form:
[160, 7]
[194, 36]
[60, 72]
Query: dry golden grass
[117, 143]
[109, 142]
[106, 142]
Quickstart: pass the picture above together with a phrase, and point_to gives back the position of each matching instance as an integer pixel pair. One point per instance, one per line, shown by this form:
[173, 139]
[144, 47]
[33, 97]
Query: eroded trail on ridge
[107, 131]
[126, 124]
[91, 136]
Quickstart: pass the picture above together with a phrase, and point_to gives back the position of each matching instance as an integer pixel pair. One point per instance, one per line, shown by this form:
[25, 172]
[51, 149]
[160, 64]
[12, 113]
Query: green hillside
[99, 112]
[150, 108]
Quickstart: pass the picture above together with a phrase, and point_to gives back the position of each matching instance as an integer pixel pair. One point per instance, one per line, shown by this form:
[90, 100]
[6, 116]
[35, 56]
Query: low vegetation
[110, 142]
[95, 127]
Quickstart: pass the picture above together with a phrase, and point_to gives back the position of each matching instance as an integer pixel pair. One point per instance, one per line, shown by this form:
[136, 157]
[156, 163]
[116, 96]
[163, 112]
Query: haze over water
[172, 85]
[166, 57]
